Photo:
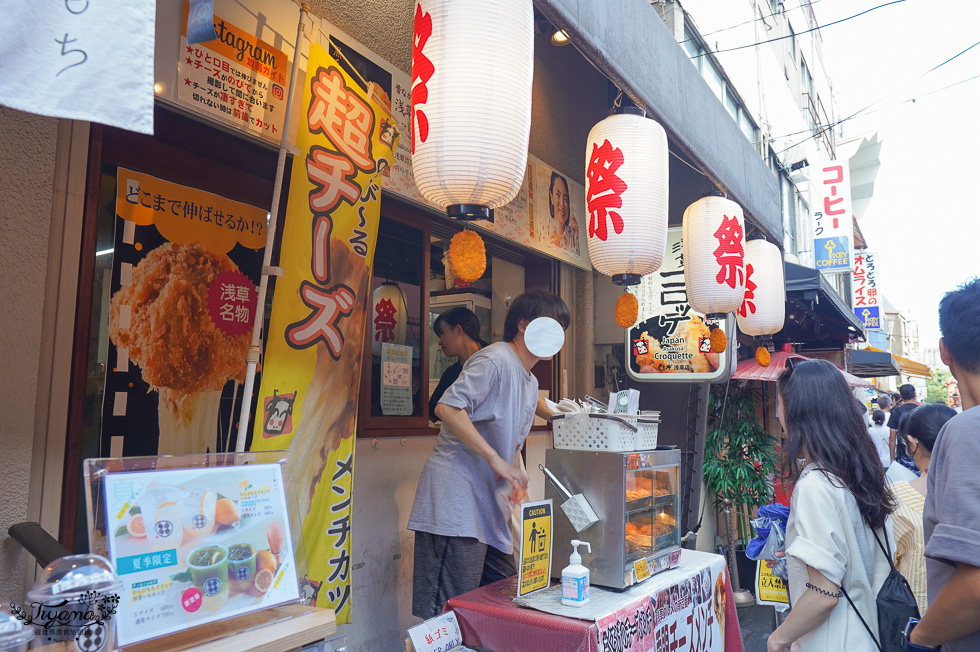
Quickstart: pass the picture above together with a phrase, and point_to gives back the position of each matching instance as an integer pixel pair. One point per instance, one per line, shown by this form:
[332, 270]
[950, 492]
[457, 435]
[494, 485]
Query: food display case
[636, 496]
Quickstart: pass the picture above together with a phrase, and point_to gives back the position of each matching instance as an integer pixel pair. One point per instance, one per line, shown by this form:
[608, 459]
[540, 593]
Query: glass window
[792, 42]
[787, 195]
[731, 104]
[714, 79]
[746, 125]
[693, 48]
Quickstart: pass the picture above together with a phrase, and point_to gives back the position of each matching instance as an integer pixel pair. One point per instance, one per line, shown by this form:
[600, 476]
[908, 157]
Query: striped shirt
[909, 540]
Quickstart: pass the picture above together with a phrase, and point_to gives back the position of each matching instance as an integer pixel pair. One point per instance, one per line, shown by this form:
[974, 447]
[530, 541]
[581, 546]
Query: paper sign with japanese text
[536, 546]
[670, 341]
[80, 60]
[833, 224]
[184, 268]
[439, 634]
[319, 313]
[236, 78]
[864, 291]
[192, 546]
[396, 379]
[769, 589]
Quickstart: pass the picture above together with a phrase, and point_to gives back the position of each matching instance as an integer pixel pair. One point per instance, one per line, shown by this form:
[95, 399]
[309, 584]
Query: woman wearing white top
[839, 499]
[879, 435]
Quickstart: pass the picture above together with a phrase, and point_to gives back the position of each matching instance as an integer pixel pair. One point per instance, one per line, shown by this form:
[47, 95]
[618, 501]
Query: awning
[751, 370]
[906, 366]
[815, 314]
[873, 363]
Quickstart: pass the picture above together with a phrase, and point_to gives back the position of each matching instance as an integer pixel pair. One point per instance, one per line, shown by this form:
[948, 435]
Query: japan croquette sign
[316, 332]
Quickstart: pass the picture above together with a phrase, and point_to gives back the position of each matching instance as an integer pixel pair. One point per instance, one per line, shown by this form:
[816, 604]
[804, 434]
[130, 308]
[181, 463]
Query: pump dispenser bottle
[575, 578]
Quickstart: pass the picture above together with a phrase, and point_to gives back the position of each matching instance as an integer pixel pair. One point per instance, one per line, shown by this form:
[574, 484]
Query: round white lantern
[764, 306]
[471, 102]
[389, 316]
[714, 255]
[626, 195]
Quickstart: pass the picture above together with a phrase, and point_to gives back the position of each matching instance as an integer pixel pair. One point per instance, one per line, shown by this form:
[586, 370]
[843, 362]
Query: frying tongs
[577, 508]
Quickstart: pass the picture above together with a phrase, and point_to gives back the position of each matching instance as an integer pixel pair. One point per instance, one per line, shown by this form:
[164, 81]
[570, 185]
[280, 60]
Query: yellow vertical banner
[311, 371]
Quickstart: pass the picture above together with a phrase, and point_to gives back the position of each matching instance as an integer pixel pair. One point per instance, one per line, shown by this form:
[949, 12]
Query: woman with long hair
[922, 426]
[459, 336]
[840, 505]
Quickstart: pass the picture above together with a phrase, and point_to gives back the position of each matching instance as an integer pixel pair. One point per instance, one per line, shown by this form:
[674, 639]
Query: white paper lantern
[472, 63]
[714, 255]
[389, 316]
[764, 306]
[626, 195]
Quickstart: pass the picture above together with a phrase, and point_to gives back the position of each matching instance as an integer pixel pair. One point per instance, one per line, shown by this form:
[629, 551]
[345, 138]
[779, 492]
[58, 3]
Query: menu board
[671, 341]
[193, 546]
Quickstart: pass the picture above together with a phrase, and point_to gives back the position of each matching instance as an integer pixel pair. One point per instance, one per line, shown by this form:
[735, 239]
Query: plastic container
[15, 636]
[647, 428]
[575, 578]
[595, 432]
[81, 590]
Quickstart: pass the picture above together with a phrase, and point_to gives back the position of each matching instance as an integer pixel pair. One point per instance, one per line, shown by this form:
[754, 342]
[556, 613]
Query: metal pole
[255, 350]
[742, 597]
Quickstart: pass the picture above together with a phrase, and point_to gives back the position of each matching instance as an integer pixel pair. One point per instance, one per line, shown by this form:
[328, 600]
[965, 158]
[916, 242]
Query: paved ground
[756, 625]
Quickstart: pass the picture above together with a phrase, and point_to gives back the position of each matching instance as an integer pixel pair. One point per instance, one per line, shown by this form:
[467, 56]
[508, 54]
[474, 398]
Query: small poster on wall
[558, 211]
[192, 546]
[396, 379]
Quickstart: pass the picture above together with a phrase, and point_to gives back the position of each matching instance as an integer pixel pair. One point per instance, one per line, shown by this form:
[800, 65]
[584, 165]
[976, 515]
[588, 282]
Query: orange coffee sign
[186, 215]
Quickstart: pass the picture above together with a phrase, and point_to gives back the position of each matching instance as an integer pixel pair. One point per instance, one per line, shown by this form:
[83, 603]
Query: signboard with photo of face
[557, 212]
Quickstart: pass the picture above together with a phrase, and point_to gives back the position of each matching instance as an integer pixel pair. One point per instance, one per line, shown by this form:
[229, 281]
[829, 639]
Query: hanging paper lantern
[471, 102]
[764, 305]
[626, 195]
[627, 309]
[389, 316]
[467, 256]
[714, 255]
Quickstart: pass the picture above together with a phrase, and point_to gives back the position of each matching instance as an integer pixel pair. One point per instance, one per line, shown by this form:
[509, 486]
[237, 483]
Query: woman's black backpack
[896, 604]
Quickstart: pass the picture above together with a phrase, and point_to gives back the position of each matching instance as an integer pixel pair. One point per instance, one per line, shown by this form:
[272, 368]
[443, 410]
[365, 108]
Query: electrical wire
[864, 111]
[749, 22]
[814, 29]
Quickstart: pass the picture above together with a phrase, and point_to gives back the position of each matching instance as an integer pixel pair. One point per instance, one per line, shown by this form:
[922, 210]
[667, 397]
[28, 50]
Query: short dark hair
[907, 391]
[884, 401]
[959, 324]
[551, 188]
[462, 317]
[878, 417]
[925, 422]
[530, 306]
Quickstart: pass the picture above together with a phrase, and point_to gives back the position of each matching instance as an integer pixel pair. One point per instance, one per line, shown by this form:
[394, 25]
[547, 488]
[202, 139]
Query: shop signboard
[548, 213]
[865, 299]
[536, 547]
[192, 546]
[769, 589]
[833, 224]
[319, 312]
[236, 79]
[184, 267]
[689, 614]
[81, 60]
[670, 341]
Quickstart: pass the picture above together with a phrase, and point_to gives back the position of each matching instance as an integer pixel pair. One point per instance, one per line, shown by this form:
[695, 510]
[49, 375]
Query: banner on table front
[311, 372]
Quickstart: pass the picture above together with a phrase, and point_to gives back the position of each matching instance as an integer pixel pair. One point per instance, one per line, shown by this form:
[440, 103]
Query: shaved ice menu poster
[192, 546]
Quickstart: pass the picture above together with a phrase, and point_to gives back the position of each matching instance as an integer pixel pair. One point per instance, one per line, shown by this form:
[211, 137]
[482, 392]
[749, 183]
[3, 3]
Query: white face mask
[544, 337]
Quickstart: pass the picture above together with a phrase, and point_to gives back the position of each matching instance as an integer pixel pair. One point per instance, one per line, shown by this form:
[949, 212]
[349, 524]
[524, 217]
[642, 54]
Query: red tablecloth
[490, 620]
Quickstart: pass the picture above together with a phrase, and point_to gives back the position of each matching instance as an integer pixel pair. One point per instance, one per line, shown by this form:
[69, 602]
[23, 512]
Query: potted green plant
[739, 455]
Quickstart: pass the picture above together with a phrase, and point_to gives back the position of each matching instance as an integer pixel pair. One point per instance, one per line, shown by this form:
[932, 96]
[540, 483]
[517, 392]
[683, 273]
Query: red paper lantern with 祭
[389, 316]
[626, 195]
[472, 64]
[714, 255]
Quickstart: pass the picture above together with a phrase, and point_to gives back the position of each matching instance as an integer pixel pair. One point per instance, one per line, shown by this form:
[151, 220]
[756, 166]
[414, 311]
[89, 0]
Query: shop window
[410, 261]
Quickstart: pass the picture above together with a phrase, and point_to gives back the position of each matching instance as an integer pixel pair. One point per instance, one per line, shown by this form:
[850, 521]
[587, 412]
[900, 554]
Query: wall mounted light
[559, 38]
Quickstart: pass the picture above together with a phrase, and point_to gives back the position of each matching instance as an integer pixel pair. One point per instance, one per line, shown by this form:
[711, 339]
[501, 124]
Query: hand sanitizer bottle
[575, 578]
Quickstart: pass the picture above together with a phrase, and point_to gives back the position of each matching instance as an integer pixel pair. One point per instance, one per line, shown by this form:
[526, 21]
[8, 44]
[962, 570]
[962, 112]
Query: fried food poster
[311, 373]
[670, 341]
[184, 268]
